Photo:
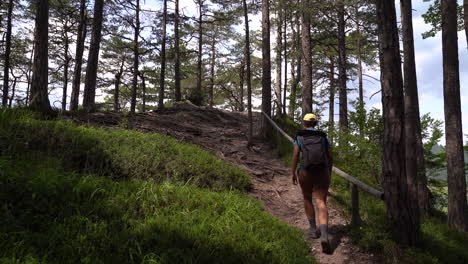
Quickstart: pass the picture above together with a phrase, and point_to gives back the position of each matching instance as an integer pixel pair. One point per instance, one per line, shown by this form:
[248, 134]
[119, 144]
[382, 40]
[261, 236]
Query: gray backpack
[314, 149]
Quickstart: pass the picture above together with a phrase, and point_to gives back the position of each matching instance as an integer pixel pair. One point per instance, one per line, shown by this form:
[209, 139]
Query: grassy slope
[60, 201]
[439, 244]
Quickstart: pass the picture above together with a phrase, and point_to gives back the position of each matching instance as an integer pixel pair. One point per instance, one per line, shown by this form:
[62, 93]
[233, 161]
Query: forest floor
[224, 134]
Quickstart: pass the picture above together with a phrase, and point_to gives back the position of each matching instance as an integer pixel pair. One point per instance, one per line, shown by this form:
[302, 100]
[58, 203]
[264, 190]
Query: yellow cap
[310, 117]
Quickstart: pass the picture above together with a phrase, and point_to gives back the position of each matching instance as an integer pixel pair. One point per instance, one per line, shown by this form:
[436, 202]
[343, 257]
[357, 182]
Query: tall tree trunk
[39, 98]
[178, 95]
[285, 45]
[266, 63]
[241, 82]
[198, 92]
[342, 67]
[402, 220]
[6, 67]
[28, 75]
[80, 46]
[212, 69]
[331, 106]
[117, 92]
[89, 95]
[306, 60]
[163, 58]
[360, 78]
[457, 205]
[136, 57]
[415, 168]
[13, 89]
[65, 72]
[118, 78]
[297, 74]
[249, 75]
[359, 51]
[143, 88]
[278, 61]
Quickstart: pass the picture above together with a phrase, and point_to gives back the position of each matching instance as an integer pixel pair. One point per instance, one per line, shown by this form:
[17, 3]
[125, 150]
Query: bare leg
[306, 187]
[320, 197]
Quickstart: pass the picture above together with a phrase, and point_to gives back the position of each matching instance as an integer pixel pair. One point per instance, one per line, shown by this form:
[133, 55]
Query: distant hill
[442, 174]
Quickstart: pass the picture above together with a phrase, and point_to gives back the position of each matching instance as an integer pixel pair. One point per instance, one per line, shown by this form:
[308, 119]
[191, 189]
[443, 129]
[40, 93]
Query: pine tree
[39, 98]
[457, 205]
[93, 57]
[402, 220]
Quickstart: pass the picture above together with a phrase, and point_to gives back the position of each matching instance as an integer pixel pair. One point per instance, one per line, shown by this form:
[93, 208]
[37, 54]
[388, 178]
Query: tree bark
[143, 88]
[80, 46]
[331, 106]
[306, 60]
[241, 82]
[297, 74]
[342, 67]
[278, 61]
[359, 51]
[457, 205]
[118, 78]
[415, 168]
[163, 58]
[117, 92]
[285, 46]
[212, 69]
[136, 57]
[39, 98]
[13, 89]
[89, 95]
[28, 75]
[401, 217]
[65, 72]
[249, 75]
[178, 96]
[266, 62]
[198, 91]
[6, 67]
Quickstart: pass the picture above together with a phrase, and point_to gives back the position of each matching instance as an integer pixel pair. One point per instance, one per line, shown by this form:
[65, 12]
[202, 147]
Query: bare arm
[294, 161]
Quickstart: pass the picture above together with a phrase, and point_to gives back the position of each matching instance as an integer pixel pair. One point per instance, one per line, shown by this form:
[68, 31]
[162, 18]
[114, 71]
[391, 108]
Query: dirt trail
[224, 135]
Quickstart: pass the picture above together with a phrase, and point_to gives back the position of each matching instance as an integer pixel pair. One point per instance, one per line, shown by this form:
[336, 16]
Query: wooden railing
[354, 183]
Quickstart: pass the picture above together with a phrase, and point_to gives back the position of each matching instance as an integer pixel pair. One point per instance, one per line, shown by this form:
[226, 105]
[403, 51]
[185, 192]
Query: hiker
[313, 176]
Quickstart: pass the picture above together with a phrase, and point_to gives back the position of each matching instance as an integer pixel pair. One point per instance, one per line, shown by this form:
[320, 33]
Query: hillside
[75, 194]
[223, 134]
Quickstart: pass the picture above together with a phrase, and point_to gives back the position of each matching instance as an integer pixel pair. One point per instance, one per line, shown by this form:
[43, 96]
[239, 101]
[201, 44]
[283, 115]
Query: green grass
[438, 243]
[117, 153]
[53, 216]
[71, 194]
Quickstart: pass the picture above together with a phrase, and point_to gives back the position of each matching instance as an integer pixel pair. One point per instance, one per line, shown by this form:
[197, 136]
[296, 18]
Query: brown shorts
[317, 180]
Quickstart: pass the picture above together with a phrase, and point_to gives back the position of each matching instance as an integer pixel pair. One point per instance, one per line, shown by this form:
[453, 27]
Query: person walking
[311, 146]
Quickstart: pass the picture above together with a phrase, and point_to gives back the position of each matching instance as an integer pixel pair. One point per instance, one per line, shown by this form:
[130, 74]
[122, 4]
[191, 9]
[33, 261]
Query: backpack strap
[305, 133]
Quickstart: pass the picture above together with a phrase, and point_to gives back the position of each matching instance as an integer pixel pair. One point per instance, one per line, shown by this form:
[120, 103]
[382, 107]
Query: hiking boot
[313, 233]
[324, 241]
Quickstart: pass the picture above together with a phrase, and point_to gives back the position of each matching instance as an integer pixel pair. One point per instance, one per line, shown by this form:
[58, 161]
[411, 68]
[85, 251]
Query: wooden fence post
[356, 219]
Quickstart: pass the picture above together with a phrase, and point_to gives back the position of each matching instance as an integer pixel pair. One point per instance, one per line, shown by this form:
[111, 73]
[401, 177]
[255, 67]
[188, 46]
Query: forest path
[224, 134]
